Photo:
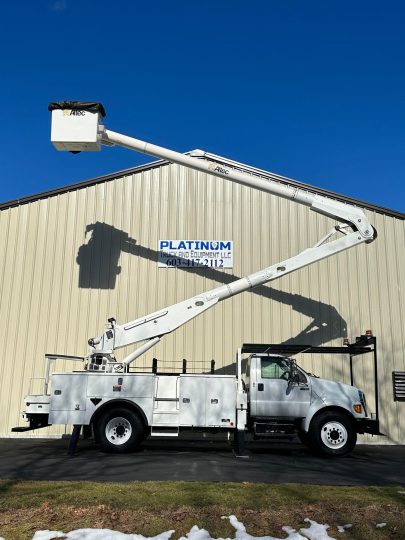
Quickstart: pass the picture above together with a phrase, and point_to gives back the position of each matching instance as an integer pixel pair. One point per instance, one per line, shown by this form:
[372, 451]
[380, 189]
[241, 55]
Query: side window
[274, 368]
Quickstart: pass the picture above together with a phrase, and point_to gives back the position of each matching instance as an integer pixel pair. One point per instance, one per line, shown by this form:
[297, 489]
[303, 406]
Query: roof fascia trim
[200, 154]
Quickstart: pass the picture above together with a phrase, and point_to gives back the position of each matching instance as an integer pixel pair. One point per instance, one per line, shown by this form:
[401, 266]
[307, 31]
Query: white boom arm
[354, 229]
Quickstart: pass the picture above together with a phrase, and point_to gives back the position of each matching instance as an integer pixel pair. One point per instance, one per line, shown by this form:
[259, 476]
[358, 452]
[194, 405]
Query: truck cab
[284, 400]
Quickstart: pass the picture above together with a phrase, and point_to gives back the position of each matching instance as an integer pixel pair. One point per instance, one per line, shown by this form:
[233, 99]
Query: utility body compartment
[165, 400]
[208, 400]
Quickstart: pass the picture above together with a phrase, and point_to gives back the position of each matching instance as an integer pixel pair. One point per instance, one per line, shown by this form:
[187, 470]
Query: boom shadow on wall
[98, 261]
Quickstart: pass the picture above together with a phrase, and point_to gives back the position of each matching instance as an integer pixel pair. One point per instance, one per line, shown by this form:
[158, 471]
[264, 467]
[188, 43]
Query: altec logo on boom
[218, 168]
[73, 112]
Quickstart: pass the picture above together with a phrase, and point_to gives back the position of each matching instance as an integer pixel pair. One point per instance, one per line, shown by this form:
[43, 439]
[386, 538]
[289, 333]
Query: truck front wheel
[119, 430]
[332, 434]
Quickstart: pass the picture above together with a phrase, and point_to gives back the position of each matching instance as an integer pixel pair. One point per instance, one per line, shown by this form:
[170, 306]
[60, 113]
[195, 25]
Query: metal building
[72, 257]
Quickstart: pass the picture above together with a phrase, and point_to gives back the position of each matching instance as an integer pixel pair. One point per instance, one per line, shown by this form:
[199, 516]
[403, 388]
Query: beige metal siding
[58, 284]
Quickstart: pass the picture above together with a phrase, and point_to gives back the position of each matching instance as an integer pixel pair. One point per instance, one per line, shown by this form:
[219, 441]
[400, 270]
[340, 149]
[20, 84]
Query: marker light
[357, 408]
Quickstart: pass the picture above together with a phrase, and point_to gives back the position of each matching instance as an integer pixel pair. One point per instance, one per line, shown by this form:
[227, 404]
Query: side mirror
[294, 374]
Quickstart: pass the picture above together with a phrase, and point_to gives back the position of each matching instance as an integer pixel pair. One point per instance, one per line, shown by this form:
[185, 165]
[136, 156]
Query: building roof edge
[199, 154]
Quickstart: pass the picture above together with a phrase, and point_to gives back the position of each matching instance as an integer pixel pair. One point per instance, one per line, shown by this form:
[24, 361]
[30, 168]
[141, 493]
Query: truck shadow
[98, 261]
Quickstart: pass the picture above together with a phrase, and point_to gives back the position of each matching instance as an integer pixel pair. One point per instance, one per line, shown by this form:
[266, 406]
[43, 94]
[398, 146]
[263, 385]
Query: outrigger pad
[91, 106]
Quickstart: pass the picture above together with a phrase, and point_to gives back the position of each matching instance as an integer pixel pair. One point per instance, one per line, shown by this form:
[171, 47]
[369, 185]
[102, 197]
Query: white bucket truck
[273, 396]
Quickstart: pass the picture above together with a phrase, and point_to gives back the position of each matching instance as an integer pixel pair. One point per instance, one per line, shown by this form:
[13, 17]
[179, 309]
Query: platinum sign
[195, 253]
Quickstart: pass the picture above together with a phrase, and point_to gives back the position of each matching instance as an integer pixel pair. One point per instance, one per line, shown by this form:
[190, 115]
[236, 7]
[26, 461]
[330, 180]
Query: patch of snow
[343, 528]
[315, 531]
[381, 525]
[401, 492]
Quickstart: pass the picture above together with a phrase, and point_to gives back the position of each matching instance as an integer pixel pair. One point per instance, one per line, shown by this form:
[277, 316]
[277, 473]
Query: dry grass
[149, 508]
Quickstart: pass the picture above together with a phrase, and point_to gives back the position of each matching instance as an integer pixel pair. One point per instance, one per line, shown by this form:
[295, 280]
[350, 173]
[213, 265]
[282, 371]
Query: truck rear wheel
[332, 434]
[119, 430]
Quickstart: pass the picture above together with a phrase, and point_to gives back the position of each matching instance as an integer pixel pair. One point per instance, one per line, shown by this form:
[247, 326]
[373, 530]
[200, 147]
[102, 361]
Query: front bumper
[367, 425]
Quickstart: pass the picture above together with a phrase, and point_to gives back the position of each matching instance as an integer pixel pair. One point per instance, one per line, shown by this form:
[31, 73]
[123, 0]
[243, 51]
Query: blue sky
[314, 90]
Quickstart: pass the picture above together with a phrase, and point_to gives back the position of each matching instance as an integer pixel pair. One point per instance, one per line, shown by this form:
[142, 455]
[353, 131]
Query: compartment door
[68, 392]
[221, 402]
[192, 401]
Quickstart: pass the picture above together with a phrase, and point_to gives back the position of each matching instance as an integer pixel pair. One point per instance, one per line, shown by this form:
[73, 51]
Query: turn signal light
[357, 408]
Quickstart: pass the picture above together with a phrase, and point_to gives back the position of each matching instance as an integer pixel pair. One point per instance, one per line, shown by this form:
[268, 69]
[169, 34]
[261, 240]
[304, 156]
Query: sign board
[195, 253]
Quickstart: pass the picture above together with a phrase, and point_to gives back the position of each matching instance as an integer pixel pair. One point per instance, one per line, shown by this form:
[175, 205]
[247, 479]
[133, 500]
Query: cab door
[271, 392]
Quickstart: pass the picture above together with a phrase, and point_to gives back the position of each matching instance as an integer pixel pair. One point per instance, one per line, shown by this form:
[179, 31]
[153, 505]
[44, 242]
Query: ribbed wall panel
[59, 284]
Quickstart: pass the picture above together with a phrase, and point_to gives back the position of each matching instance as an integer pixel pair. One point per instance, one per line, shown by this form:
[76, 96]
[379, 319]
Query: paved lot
[198, 460]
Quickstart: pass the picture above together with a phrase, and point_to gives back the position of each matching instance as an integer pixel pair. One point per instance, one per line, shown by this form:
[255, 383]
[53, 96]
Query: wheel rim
[118, 430]
[334, 435]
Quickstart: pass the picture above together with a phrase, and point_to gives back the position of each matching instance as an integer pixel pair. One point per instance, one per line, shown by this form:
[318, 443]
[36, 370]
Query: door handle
[260, 387]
